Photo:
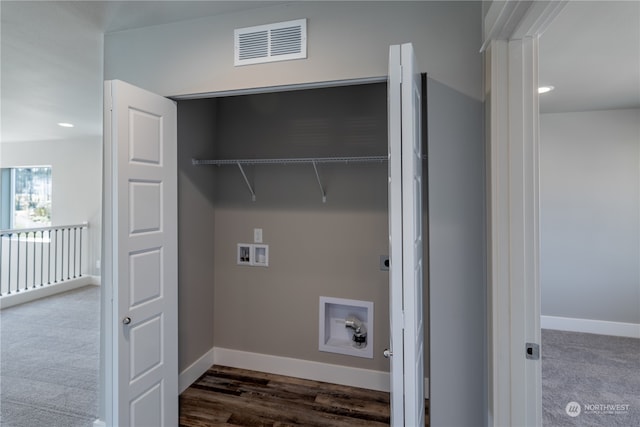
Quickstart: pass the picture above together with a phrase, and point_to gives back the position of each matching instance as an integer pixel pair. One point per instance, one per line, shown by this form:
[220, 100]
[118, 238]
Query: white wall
[590, 221]
[76, 183]
[346, 40]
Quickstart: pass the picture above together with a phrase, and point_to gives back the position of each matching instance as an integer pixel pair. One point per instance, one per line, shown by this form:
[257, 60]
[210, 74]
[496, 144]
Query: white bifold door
[140, 258]
[405, 238]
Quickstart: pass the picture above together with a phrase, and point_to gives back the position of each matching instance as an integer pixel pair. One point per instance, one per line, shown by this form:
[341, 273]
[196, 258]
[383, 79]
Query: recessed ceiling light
[65, 125]
[545, 89]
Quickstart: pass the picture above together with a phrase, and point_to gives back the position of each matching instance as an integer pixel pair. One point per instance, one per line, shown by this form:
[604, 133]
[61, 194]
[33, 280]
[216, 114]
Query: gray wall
[316, 249]
[590, 221]
[196, 138]
[457, 258]
[346, 40]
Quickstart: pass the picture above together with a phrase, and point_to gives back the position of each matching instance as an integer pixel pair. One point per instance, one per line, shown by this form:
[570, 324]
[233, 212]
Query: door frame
[106, 387]
[512, 30]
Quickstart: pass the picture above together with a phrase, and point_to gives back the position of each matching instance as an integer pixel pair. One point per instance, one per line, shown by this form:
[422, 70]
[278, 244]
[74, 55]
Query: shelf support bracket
[324, 195]
[246, 180]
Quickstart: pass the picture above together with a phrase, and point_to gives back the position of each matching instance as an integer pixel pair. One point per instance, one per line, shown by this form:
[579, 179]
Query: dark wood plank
[226, 396]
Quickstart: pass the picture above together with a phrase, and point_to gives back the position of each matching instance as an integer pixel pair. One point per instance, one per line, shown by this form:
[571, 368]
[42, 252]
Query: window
[25, 196]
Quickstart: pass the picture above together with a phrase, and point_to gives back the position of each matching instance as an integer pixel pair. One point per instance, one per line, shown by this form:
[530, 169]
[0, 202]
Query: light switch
[257, 235]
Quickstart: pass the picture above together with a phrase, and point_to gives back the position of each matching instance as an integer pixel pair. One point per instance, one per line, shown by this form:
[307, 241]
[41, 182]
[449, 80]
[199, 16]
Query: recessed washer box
[334, 336]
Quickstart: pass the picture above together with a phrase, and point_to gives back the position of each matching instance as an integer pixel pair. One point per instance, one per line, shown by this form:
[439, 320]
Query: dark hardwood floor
[236, 397]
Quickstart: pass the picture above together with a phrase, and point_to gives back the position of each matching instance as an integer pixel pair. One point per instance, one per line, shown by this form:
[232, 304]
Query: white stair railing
[32, 258]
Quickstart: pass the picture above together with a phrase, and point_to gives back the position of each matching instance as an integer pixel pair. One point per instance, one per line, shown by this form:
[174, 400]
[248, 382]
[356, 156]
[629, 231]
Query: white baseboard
[306, 369]
[195, 370]
[33, 294]
[600, 327]
[336, 374]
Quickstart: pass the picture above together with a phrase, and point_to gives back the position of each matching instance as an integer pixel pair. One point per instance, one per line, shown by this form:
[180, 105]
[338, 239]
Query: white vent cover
[271, 42]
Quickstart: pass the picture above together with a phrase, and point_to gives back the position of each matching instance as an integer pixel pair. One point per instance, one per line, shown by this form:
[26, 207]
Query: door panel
[143, 150]
[412, 238]
[405, 239]
[396, 309]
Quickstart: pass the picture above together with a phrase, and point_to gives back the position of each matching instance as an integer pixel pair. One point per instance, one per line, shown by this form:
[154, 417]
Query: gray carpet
[600, 373]
[49, 361]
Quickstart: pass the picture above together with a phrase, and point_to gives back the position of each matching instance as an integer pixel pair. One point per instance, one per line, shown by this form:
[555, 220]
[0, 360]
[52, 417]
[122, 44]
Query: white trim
[514, 20]
[46, 291]
[590, 326]
[514, 381]
[306, 369]
[511, 31]
[282, 88]
[108, 365]
[195, 370]
[99, 423]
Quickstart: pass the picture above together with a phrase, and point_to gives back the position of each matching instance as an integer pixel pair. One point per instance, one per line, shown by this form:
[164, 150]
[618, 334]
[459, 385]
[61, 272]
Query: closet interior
[307, 170]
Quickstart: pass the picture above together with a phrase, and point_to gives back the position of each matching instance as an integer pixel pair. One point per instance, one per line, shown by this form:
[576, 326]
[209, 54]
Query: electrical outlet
[257, 235]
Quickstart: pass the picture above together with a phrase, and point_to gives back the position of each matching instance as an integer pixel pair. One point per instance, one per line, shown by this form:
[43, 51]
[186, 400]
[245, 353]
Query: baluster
[55, 260]
[1, 246]
[33, 277]
[26, 261]
[41, 258]
[75, 242]
[18, 266]
[80, 258]
[10, 258]
[68, 253]
[49, 260]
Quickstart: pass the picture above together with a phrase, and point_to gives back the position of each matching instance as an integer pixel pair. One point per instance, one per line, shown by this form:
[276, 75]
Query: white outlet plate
[257, 235]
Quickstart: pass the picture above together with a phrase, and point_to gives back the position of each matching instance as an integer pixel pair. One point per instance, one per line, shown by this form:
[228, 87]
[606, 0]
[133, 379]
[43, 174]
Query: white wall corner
[195, 370]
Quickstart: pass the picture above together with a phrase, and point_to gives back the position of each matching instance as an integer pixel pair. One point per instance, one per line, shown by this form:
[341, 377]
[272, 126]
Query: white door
[141, 210]
[405, 238]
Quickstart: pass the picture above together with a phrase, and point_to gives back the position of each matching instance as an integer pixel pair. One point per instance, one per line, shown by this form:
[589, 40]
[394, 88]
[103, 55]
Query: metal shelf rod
[313, 160]
[364, 159]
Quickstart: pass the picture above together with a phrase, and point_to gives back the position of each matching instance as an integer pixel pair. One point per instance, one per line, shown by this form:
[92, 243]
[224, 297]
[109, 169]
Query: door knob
[387, 353]
[126, 320]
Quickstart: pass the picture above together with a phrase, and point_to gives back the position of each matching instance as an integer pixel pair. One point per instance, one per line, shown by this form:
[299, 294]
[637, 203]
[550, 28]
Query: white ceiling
[591, 55]
[51, 58]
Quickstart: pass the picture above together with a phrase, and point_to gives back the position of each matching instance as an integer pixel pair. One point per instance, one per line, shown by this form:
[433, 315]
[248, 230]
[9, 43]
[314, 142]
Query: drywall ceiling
[51, 58]
[591, 55]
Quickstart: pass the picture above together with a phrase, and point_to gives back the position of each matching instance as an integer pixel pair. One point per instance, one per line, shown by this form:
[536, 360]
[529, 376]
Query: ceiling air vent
[272, 42]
